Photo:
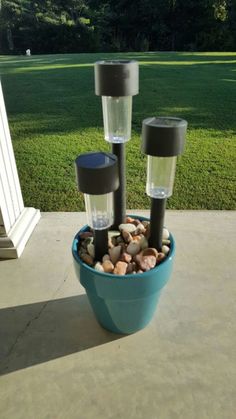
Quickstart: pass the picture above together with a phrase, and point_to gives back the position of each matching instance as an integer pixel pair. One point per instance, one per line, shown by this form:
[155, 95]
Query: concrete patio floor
[58, 363]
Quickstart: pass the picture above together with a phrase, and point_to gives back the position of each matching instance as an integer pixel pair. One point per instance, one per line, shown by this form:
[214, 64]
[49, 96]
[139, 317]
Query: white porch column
[16, 221]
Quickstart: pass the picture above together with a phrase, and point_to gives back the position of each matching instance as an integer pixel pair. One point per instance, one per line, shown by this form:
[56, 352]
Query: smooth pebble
[98, 266]
[146, 262]
[131, 268]
[86, 234]
[160, 257]
[129, 220]
[113, 233]
[108, 266]
[119, 240]
[136, 222]
[165, 249]
[126, 236]
[140, 229]
[87, 241]
[114, 253]
[130, 228]
[150, 251]
[106, 257]
[165, 234]
[91, 250]
[125, 257]
[143, 242]
[133, 248]
[86, 258]
[120, 268]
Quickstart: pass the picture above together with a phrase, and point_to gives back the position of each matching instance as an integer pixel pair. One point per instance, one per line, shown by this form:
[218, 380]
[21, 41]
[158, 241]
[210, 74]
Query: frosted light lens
[117, 113]
[99, 209]
[160, 176]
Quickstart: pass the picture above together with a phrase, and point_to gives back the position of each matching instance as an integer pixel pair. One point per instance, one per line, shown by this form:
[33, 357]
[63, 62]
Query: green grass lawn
[54, 116]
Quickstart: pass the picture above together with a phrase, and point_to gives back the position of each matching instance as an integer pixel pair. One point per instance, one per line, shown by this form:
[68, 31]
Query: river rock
[86, 258]
[106, 257]
[136, 222]
[143, 242]
[108, 266]
[128, 227]
[114, 253]
[125, 257]
[133, 248]
[110, 244]
[140, 229]
[131, 268]
[165, 249]
[91, 250]
[129, 251]
[87, 241]
[165, 234]
[113, 233]
[86, 234]
[119, 240]
[137, 238]
[146, 262]
[160, 257]
[126, 236]
[129, 220]
[120, 268]
[150, 251]
[98, 266]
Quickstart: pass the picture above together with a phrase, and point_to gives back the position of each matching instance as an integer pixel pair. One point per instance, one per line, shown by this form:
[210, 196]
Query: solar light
[162, 140]
[97, 178]
[117, 81]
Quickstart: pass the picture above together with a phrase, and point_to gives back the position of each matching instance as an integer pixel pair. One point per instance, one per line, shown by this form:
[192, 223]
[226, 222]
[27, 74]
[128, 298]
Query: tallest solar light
[117, 82]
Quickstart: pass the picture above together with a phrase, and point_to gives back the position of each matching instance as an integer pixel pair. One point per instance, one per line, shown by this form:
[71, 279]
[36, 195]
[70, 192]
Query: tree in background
[141, 25]
[198, 26]
[10, 17]
[45, 26]
[50, 26]
[232, 23]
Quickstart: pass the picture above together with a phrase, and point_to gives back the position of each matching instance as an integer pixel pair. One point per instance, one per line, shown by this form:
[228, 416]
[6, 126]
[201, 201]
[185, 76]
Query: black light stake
[162, 140]
[117, 81]
[97, 177]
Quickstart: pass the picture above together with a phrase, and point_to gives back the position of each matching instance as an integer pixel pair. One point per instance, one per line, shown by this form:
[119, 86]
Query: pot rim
[121, 277]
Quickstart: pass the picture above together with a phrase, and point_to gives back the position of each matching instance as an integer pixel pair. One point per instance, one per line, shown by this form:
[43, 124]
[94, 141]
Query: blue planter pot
[123, 303]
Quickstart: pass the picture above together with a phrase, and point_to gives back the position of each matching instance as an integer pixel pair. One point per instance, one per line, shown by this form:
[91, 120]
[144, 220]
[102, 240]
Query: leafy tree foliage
[48, 26]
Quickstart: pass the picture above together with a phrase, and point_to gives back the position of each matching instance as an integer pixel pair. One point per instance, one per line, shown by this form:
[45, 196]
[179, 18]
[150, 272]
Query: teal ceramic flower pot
[123, 303]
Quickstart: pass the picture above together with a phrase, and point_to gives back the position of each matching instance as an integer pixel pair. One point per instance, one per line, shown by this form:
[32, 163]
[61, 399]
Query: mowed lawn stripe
[54, 115]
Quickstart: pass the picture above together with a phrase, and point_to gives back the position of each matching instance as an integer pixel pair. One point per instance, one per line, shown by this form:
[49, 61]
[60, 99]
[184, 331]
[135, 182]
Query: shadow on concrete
[35, 333]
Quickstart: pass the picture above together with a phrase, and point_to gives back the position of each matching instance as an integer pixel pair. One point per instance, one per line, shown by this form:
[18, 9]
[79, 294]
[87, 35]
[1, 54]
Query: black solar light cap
[163, 136]
[97, 173]
[116, 78]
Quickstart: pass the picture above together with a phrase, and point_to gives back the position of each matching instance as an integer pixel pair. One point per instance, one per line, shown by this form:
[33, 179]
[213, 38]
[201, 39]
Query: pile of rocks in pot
[128, 249]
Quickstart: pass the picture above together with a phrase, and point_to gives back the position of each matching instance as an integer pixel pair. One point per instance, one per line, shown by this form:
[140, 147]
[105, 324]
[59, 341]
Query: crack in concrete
[29, 323]
[19, 337]
[66, 275]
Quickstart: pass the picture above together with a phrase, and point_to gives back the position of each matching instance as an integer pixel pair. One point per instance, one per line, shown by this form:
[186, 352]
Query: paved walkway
[58, 363]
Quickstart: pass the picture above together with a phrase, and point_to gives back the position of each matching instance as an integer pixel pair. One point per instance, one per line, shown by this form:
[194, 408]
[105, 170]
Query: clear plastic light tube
[99, 210]
[160, 176]
[117, 112]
